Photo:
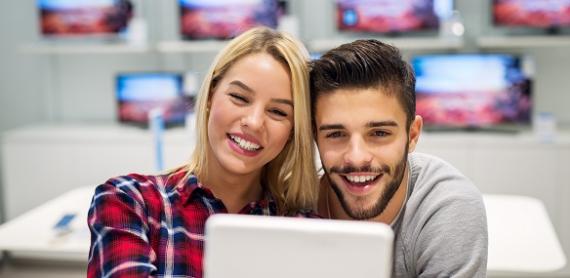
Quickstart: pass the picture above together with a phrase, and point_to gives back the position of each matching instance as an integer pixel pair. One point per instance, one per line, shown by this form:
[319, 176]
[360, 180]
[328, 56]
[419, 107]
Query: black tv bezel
[505, 127]
[392, 33]
[186, 37]
[549, 30]
[97, 35]
[145, 124]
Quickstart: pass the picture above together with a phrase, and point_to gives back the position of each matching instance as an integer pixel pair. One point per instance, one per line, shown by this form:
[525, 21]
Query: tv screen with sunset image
[389, 16]
[472, 91]
[71, 18]
[532, 13]
[224, 19]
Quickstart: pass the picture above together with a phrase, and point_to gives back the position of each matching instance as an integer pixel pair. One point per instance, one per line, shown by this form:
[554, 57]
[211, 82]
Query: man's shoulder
[429, 172]
[423, 161]
[438, 184]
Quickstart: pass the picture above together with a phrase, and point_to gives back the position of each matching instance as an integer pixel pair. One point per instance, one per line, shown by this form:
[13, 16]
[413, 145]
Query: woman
[253, 155]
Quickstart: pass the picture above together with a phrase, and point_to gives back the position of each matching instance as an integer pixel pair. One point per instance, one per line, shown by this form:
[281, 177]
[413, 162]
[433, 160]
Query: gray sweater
[442, 229]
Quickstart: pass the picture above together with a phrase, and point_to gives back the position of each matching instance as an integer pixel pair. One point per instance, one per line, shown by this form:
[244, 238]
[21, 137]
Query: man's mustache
[351, 169]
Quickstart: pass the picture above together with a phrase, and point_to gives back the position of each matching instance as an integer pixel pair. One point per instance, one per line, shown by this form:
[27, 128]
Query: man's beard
[386, 194]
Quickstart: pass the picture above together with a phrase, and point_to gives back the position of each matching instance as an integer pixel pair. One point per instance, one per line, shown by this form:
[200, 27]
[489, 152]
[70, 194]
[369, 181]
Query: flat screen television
[72, 18]
[224, 19]
[472, 91]
[138, 93]
[547, 14]
[391, 16]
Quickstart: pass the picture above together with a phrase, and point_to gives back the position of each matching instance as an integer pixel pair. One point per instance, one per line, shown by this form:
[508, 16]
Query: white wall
[79, 87]
[21, 98]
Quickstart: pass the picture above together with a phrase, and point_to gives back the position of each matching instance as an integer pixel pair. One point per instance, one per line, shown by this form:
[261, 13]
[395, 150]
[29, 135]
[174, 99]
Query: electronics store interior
[94, 89]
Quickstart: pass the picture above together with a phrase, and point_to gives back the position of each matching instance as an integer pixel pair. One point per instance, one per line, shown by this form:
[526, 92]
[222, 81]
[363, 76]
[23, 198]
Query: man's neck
[330, 207]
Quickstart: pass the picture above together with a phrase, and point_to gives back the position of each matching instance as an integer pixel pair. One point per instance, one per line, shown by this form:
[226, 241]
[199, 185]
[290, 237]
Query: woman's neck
[235, 191]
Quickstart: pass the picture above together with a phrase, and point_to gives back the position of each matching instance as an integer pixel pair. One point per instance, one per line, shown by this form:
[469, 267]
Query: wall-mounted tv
[532, 13]
[391, 16]
[71, 18]
[472, 91]
[224, 19]
[138, 93]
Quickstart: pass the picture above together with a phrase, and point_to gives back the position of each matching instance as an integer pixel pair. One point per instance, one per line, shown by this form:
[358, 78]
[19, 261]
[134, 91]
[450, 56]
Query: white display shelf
[523, 41]
[423, 43]
[76, 154]
[82, 48]
[191, 46]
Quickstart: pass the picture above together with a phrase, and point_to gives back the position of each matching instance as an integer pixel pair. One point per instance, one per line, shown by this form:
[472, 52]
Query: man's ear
[414, 133]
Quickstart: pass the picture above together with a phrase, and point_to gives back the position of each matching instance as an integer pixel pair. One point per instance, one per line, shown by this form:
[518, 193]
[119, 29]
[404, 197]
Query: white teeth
[360, 179]
[244, 144]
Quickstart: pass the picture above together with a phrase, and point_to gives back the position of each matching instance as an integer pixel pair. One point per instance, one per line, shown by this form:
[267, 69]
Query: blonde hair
[291, 176]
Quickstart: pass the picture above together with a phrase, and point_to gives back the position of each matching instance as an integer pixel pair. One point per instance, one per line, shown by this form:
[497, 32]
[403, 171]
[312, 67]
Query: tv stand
[552, 30]
[475, 129]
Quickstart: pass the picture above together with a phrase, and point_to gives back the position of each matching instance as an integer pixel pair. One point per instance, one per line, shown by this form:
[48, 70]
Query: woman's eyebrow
[282, 100]
[242, 85]
[250, 90]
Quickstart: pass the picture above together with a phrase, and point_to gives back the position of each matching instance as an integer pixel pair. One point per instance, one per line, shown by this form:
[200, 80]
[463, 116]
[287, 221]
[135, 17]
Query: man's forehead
[348, 91]
[358, 98]
[358, 108]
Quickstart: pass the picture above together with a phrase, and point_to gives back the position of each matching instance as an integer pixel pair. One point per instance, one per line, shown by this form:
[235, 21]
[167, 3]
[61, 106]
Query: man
[366, 129]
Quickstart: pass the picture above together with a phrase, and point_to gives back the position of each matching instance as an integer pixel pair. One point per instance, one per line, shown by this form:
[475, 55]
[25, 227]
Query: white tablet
[245, 246]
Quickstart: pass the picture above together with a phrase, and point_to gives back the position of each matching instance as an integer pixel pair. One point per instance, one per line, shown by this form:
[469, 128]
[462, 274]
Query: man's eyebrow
[331, 127]
[381, 124]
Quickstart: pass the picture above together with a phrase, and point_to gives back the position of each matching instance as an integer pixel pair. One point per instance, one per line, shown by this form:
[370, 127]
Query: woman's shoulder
[141, 188]
[133, 186]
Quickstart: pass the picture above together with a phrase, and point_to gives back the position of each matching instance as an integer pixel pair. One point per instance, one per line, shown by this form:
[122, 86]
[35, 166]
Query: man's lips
[361, 179]
[352, 183]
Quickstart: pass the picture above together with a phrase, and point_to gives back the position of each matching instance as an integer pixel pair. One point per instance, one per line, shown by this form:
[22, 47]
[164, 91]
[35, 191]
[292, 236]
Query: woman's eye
[278, 112]
[238, 97]
[334, 134]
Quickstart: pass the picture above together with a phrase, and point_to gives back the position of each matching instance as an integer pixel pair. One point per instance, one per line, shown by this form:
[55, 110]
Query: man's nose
[358, 153]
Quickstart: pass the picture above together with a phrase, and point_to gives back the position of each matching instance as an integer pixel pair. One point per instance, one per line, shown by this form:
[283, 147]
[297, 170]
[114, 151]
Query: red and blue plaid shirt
[145, 226]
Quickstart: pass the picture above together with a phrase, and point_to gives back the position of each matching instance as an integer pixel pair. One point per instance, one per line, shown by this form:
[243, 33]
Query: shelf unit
[208, 46]
[76, 48]
[80, 154]
[124, 48]
[408, 43]
[191, 46]
[499, 42]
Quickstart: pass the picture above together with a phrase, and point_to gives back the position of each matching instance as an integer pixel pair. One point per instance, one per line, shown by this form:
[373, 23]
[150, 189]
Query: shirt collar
[189, 186]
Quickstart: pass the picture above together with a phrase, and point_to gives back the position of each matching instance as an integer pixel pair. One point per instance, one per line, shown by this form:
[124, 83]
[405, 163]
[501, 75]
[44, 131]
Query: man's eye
[239, 97]
[380, 133]
[334, 134]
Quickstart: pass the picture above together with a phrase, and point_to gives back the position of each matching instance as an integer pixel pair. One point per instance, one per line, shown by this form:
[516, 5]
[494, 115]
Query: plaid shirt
[145, 226]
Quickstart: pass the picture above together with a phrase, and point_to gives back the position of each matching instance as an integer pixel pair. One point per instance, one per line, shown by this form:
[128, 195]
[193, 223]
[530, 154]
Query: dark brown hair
[365, 64]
